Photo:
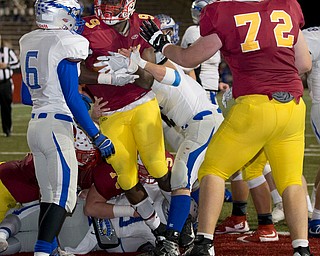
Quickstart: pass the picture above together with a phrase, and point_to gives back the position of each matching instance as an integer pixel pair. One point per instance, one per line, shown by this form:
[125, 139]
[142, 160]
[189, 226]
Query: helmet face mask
[196, 9]
[112, 12]
[169, 25]
[59, 14]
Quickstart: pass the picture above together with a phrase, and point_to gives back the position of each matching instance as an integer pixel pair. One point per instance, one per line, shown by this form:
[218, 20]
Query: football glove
[136, 58]
[118, 78]
[121, 78]
[151, 33]
[103, 144]
[114, 62]
[227, 96]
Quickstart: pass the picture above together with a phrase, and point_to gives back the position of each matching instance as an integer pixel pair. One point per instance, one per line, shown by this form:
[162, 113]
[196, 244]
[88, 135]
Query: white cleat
[3, 245]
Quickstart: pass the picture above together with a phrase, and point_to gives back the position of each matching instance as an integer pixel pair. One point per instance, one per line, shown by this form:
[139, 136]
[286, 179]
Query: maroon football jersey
[20, 179]
[258, 39]
[105, 178]
[104, 38]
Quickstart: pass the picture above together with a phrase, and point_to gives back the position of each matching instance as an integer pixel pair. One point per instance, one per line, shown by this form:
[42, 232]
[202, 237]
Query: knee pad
[266, 169]
[256, 182]
[11, 222]
[144, 208]
[179, 176]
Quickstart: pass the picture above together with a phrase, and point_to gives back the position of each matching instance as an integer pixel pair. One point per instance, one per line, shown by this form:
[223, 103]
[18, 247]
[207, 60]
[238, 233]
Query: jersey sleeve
[68, 77]
[75, 47]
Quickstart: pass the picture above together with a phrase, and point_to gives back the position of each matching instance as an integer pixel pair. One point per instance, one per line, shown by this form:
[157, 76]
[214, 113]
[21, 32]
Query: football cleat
[202, 247]
[187, 234]
[264, 233]
[278, 213]
[168, 246]
[3, 245]
[302, 251]
[233, 224]
[314, 228]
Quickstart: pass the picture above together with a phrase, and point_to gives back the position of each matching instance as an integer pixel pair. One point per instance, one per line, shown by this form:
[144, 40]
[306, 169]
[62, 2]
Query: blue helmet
[168, 23]
[197, 7]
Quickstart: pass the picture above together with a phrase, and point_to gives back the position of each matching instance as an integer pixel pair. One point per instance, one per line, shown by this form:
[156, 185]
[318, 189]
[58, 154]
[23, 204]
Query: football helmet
[166, 22]
[87, 155]
[196, 9]
[112, 12]
[59, 14]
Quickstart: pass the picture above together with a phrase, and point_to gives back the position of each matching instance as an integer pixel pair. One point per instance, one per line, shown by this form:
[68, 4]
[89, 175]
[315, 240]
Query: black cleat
[202, 247]
[187, 234]
[302, 251]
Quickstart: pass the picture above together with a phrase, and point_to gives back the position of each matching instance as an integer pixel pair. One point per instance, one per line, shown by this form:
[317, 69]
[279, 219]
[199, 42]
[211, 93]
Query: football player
[207, 73]
[133, 121]
[49, 65]
[184, 101]
[266, 87]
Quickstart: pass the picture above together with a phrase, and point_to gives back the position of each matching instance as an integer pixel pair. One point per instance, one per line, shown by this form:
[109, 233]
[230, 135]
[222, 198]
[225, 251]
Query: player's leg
[285, 151]
[232, 137]
[121, 128]
[237, 222]
[57, 173]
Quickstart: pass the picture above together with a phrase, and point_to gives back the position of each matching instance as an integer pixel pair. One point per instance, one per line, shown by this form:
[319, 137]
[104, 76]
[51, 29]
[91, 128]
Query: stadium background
[16, 19]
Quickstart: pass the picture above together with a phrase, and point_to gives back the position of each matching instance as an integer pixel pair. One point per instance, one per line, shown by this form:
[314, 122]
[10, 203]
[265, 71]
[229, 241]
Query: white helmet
[166, 22]
[197, 7]
[59, 14]
[114, 11]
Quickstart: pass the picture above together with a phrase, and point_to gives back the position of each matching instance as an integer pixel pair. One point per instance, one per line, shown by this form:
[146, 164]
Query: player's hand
[121, 78]
[112, 63]
[227, 96]
[153, 35]
[103, 144]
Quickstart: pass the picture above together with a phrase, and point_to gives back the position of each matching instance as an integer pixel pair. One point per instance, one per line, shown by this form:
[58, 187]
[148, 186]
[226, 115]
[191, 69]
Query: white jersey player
[184, 101]
[49, 58]
[208, 72]
[312, 37]
[77, 235]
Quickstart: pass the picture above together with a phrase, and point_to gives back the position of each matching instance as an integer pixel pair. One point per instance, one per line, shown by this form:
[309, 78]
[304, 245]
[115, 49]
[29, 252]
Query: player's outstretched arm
[161, 73]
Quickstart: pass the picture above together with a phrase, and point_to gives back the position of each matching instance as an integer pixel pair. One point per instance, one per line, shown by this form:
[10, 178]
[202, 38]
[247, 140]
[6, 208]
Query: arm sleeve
[25, 95]
[68, 77]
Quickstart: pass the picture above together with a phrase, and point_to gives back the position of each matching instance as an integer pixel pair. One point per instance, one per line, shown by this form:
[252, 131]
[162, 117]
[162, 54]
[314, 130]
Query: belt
[62, 117]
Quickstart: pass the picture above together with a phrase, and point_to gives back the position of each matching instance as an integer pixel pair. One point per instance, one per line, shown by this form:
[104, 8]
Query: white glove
[227, 96]
[120, 79]
[112, 63]
[136, 58]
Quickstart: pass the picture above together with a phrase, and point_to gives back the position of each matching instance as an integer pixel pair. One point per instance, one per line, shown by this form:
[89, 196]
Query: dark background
[310, 12]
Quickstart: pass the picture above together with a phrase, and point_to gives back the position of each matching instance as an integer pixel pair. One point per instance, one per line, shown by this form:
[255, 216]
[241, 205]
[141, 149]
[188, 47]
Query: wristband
[123, 211]
[172, 77]
[104, 78]
[142, 63]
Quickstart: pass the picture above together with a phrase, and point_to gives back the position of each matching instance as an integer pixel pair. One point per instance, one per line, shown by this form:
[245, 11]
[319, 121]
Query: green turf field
[15, 147]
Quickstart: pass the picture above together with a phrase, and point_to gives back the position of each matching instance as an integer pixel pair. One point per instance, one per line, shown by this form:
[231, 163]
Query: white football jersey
[181, 103]
[312, 37]
[41, 51]
[209, 69]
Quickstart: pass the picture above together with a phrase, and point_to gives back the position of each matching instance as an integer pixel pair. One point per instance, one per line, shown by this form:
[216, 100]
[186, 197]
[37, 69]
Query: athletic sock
[239, 208]
[179, 211]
